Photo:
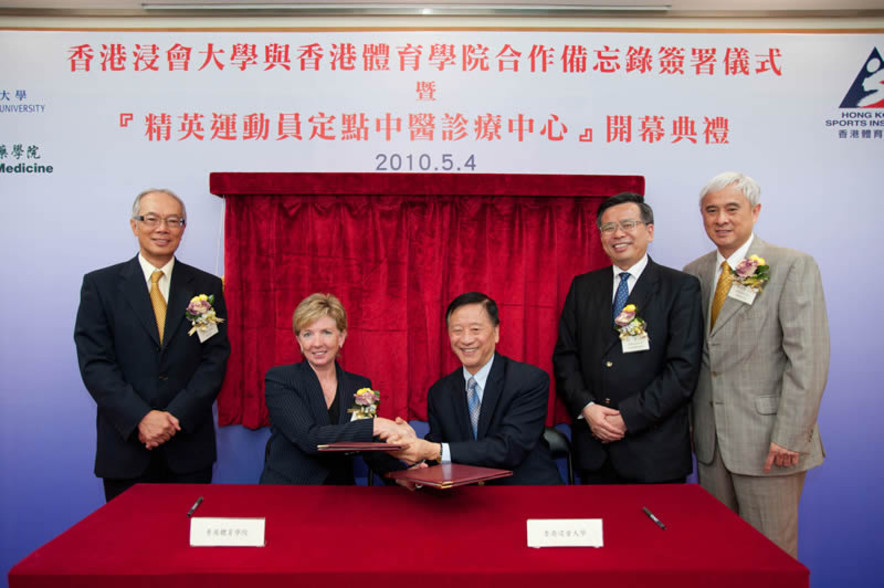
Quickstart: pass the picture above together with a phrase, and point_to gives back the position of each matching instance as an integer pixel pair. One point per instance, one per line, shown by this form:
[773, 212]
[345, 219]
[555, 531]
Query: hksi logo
[867, 90]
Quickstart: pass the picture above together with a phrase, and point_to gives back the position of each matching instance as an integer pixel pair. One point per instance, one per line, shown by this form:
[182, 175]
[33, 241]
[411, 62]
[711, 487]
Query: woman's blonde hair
[316, 306]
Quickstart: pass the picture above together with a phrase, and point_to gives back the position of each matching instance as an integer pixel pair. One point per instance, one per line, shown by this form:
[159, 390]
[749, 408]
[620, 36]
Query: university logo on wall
[867, 90]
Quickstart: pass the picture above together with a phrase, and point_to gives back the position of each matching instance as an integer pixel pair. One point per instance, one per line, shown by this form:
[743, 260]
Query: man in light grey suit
[765, 363]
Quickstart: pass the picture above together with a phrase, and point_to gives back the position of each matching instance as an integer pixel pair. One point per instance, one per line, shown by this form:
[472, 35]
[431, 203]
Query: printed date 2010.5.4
[424, 162]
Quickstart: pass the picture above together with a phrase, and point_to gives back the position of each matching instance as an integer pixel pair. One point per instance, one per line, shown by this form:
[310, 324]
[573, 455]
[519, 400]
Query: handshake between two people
[399, 432]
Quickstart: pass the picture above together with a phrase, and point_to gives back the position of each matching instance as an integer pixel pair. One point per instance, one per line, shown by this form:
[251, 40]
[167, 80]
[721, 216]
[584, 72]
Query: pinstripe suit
[299, 422]
[764, 369]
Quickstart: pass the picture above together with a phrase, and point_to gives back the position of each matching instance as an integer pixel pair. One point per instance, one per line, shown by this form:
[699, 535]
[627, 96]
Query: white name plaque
[226, 532]
[565, 533]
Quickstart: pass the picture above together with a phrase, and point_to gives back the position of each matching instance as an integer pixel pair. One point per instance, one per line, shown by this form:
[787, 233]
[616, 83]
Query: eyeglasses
[152, 221]
[627, 225]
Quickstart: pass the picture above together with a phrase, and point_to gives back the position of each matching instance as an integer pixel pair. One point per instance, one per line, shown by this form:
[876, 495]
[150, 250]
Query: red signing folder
[449, 475]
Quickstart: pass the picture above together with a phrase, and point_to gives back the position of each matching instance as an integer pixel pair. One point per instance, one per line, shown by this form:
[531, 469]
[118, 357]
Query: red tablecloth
[382, 536]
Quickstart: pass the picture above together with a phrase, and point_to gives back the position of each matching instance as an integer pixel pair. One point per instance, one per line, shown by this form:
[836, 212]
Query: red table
[383, 536]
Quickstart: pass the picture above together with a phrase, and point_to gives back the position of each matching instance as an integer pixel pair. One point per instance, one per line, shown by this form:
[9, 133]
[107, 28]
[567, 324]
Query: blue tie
[622, 294]
[474, 404]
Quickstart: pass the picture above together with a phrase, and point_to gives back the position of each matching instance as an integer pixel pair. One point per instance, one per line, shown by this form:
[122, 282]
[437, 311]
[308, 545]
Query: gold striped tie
[158, 302]
[721, 290]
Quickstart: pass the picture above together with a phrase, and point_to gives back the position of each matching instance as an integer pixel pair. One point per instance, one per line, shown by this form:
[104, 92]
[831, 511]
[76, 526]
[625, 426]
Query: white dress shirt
[634, 272]
[481, 378]
[164, 282]
[733, 261]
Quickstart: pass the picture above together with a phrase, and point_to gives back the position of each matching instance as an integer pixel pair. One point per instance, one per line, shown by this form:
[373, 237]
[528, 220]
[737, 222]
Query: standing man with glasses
[152, 348]
[628, 356]
[765, 364]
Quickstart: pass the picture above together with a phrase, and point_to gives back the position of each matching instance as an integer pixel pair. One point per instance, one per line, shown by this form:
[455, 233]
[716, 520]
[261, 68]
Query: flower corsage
[633, 330]
[365, 404]
[629, 324]
[753, 272]
[202, 316]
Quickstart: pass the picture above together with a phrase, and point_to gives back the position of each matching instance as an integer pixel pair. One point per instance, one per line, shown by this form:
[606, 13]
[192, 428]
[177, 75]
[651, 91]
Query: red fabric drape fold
[396, 249]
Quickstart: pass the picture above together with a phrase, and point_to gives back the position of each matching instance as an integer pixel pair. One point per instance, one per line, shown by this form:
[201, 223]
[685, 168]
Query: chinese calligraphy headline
[569, 59]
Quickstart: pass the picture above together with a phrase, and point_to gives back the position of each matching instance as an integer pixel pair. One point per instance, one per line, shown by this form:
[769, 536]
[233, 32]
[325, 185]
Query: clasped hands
[605, 423]
[157, 427]
[399, 432]
[607, 426]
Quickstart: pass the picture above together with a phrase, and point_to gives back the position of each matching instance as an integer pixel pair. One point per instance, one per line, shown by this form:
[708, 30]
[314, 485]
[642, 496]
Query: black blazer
[299, 422]
[651, 389]
[129, 373]
[511, 422]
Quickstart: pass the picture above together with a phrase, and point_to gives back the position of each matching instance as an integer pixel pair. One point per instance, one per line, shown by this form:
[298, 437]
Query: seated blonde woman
[308, 403]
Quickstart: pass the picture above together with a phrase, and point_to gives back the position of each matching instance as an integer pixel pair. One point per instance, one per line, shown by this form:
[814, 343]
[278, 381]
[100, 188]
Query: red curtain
[396, 249]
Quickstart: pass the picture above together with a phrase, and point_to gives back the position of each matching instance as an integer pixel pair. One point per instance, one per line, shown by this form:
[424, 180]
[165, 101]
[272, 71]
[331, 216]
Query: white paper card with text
[565, 533]
[226, 532]
[742, 293]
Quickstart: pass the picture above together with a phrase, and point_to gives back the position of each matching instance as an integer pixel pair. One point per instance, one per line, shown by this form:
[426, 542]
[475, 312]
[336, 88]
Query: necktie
[474, 404]
[158, 302]
[721, 290]
[622, 294]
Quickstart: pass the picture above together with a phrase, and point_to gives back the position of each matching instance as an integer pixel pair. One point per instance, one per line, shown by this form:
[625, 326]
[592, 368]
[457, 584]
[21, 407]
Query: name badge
[207, 332]
[636, 343]
[226, 532]
[744, 294]
[565, 533]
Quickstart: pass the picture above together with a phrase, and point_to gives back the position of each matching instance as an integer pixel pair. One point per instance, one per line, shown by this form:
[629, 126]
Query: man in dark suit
[491, 411]
[153, 377]
[628, 356]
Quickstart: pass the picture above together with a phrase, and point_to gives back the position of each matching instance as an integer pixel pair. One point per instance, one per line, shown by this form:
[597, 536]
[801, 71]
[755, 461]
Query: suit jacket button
[609, 363]
[608, 401]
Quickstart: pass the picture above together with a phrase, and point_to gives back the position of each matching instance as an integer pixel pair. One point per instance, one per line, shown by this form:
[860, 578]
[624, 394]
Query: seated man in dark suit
[152, 353]
[490, 412]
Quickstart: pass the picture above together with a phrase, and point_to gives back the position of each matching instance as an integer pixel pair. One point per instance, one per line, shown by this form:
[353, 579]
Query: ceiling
[559, 8]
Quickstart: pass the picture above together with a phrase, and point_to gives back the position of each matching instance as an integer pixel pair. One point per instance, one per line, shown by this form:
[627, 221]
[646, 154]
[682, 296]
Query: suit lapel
[644, 289]
[458, 394]
[343, 401]
[180, 293]
[314, 392]
[706, 269]
[491, 395]
[640, 296]
[600, 307]
[134, 289]
[731, 307]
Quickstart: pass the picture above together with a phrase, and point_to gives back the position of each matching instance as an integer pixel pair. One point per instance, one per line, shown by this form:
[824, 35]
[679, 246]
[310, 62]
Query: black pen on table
[195, 505]
[657, 521]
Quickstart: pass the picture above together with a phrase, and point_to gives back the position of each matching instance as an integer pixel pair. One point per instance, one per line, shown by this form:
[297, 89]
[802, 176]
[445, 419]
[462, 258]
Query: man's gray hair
[136, 206]
[746, 185]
